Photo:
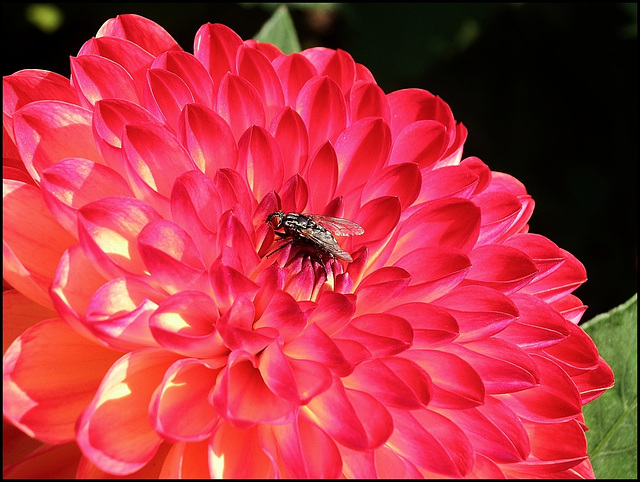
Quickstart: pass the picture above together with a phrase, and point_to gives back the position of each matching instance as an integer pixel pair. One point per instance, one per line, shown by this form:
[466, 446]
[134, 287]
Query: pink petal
[208, 139]
[241, 395]
[411, 105]
[401, 180]
[110, 117]
[277, 373]
[323, 171]
[185, 460]
[74, 284]
[311, 378]
[180, 410]
[537, 326]
[165, 95]
[229, 284]
[432, 442]
[353, 418]
[556, 398]
[133, 58]
[500, 267]
[114, 431]
[593, 383]
[382, 334]
[577, 353]
[236, 235]
[73, 182]
[500, 211]
[139, 30]
[19, 314]
[432, 326]
[233, 189]
[253, 66]
[495, 431]
[455, 384]
[191, 71]
[236, 329]
[290, 133]
[305, 451]
[379, 290]
[47, 461]
[321, 105]
[31, 250]
[315, 345]
[98, 78]
[362, 149]
[284, 314]
[293, 71]
[294, 195]
[185, 323]
[147, 148]
[503, 366]
[479, 311]
[171, 257]
[447, 222]
[119, 313]
[545, 254]
[49, 375]
[49, 131]
[108, 229]
[376, 227]
[422, 142]
[260, 160]
[394, 381]
[26, 86]
[269, 50]
[338, 65]
[448, 181]
[239, 104]
[215, 46]
[570, 307]
[367, 99]
[564, 280]
[334, 310]
[229, 450]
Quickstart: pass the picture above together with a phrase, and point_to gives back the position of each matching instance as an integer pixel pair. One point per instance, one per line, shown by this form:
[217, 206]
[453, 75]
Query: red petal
[321, 105]
[353, 418]
[377, 227]
[423, 142]
[49, 376]
[338, 65]
[208, 139]
[500, 267]
[564, 280]
[455, 384]
[334, 310]
[191, 71]
[229, 284]
[381, 334]
[322, 178]
[401, 180]
[284, 314]
[215, 46]
[294, 195]
[290, 133]
[448, 181]
[26, 86]
[114, 431]
[180, 410]
[165, 95]
[367, 99]
[98, 78]
[293, 71]
[362, 149]
[432, 326]
[545, 254]
[20, 313]
[253, 66]
[411, 105]
[593, 383]
[139, 30]
[229, 450]
[500, 213]
[432, 442]
[260, 160]
[379, 290]
[49, 131]
[239, 104]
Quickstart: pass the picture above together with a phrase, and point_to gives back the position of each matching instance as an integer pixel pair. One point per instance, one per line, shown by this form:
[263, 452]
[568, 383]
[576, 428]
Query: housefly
[314, 230]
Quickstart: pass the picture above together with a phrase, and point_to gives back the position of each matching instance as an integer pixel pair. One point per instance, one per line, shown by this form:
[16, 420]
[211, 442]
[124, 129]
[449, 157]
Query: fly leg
[283, 245]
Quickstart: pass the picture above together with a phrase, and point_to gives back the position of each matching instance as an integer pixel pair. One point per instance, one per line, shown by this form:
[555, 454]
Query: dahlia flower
[150, 333]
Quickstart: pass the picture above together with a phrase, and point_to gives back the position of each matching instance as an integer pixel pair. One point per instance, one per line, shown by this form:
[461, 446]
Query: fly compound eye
[275, 219]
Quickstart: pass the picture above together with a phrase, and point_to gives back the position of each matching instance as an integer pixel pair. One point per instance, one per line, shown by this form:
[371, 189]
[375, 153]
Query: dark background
[547, 92]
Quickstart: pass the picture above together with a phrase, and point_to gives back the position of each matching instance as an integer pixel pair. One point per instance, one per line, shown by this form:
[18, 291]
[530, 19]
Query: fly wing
[324, 240]
[338, 226]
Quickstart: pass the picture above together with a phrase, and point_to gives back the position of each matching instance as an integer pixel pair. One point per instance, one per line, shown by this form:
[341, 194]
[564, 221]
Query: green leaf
[613, 417]
[280, 31]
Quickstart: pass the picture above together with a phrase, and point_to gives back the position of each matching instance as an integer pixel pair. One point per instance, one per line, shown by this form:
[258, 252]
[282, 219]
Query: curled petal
[564, 280]
[114, 431]
[260, 161]
[229, 285]
[501, 212]
[294, 195]
[423, 142]
[432, 326]
[593, 383]
[239, 104]
[215, 46]
[186, 323]
[400, 180]
[290, 133]
[377, 226]
[26, 86]
[337, 64]
[165, 95]
[241, 395]
[49, 376]
[411, 105]
[180, 410]
[448, 181]
[229, 450]
[323, 171]
[367, 99]
[284, 314]
[545, 254]
[380, 290]
[382, 334]
[293, 71]
[334, 310]
[119, 313]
